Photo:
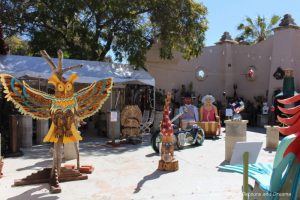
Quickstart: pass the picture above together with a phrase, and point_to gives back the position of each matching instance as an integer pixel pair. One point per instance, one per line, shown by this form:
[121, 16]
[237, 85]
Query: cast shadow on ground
[189, 146]
[224, 162]
[37, 151]
[154, 175]
[41, 164]
[256, 129]
[218, 137]
[29, 194]
[269, 150]
[89, 146]
[152, 154]
[98, 147]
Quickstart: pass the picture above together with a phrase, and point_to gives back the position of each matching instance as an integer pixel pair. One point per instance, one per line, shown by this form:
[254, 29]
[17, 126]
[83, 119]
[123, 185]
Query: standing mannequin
[208, 112]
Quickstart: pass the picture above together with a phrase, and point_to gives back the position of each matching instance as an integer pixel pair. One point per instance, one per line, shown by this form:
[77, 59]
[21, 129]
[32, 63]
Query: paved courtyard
[130, 172]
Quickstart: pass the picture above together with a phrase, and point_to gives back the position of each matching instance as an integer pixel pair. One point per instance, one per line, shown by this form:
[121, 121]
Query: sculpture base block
[168, 166]
[84, 169]
[272, 138]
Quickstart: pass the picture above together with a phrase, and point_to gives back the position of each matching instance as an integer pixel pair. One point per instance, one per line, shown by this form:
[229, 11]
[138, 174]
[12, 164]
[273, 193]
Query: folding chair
[145, 126]
[145, 116]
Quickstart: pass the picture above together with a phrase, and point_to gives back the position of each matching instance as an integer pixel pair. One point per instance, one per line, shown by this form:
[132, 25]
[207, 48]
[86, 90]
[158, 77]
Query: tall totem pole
[167, 162]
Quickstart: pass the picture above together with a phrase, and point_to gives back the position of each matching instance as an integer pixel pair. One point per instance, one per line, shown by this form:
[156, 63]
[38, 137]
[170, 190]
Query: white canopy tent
[37, 67]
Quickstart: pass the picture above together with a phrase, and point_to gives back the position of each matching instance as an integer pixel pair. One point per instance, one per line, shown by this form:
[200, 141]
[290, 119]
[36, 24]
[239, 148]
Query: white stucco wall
[280, 50]
[174, 73]
[259, 56]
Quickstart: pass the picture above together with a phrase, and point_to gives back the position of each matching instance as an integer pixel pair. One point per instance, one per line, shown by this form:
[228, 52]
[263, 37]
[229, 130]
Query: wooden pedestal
[168, 166]
[43, 176]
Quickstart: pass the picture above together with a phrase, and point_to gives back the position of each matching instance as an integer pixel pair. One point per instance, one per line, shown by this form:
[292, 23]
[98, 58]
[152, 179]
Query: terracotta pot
[1, 166]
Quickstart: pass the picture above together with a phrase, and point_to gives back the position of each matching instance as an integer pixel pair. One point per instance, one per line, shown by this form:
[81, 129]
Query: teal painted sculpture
[284, 174]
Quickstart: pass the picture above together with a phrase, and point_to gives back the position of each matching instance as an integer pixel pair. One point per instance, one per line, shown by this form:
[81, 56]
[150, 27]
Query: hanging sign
[113, 116]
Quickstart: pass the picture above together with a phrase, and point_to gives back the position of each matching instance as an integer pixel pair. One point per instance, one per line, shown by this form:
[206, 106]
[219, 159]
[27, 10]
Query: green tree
[87, 29]
[17, 46]
[256, 30]
[3, 47]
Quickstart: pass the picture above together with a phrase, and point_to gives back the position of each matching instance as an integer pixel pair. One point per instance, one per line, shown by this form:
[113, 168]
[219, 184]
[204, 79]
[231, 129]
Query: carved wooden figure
[66, 107]
[167, 162]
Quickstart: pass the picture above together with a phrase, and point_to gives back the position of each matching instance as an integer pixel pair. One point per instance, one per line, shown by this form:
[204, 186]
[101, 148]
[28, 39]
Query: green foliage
[87, 29]
[3, 46]
[17, 46]
[256, 30]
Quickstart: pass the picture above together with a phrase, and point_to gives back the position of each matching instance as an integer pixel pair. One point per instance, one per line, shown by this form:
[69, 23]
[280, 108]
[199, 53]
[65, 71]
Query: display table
[272, 137]
[235, 132]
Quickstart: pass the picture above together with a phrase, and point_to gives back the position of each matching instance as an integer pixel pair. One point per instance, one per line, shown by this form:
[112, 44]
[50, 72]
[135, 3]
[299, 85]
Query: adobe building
[227, 63]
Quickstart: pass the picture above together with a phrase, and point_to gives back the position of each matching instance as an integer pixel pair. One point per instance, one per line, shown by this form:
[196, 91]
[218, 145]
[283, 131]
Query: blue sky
[225, 15]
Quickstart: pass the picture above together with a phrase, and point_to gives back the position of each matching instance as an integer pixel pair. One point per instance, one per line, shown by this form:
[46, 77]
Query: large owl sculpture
[65, 107]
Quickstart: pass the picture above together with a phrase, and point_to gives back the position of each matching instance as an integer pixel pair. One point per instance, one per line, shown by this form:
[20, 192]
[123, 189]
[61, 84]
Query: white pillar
[236, 131]
[26, 130]
[113, 127]
[42, 127]
[272, 137]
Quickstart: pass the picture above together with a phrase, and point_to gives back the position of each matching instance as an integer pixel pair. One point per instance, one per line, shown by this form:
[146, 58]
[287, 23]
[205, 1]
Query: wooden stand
[168, 166]
[43, 176]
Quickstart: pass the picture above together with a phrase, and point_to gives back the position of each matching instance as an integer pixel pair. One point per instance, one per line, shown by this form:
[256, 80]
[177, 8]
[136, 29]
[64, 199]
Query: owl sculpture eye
[69, 87]
[60, 87]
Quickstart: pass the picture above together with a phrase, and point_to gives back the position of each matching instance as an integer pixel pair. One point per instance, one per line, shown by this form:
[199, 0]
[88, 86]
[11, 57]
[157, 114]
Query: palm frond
[274, 20]
[241, 26]
[257, 29]
[249, 20]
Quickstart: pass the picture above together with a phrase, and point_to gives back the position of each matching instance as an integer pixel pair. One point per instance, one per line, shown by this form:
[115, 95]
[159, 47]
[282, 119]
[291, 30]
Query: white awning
[37, 67]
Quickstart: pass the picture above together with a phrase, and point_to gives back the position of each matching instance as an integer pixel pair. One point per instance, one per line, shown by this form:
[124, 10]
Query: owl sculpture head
[64, 88]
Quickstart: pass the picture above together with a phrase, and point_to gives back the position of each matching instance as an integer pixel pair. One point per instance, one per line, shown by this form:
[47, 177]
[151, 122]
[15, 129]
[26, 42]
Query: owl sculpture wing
[27, 100]
[91, 98]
